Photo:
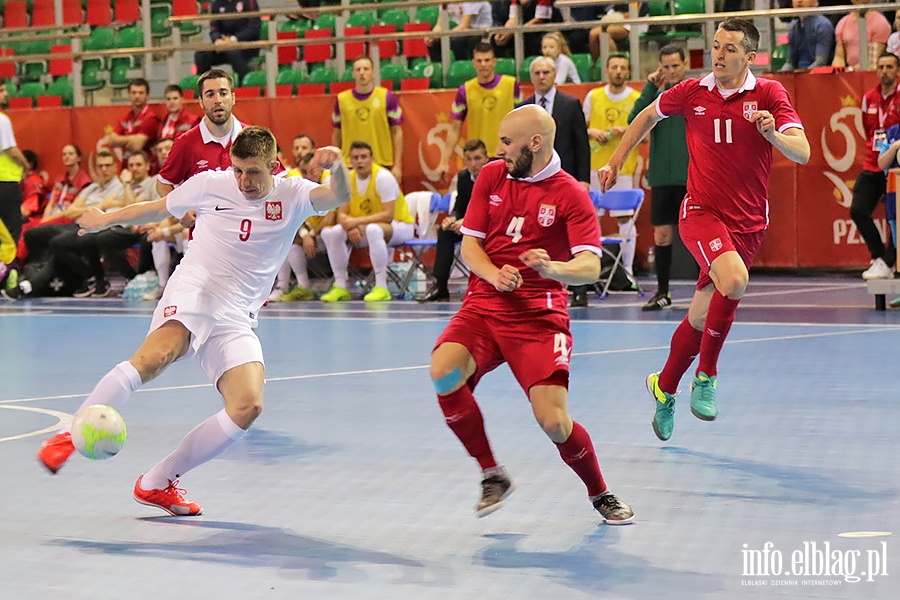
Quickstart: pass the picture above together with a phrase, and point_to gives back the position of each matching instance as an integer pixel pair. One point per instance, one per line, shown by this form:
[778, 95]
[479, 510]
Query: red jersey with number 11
[728, 174]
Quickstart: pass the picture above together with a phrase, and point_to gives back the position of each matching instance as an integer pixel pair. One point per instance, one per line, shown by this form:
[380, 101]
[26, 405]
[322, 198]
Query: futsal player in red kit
[529, 231]
[733, 121]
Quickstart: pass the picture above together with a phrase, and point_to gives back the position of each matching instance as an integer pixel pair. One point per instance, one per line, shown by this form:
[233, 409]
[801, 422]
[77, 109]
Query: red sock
[464, 417]
[719, 318]
[578, 453]
[683, 350]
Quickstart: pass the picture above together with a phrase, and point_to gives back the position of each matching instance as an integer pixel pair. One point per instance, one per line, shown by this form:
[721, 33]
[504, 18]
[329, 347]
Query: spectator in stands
[618, 32]
[880, 111]
[667, 171]
[376, 216]
[485, 100]
[225, 33]
[555, 47]
[571, 141]
[34, 189]
[534, 12]
[372, 114]
[308, 242]
[606, 111]
[12, 165]
[468, 15]
[303, 144]
[847, 47]
[139, 128]
[448, 235]
[177, 120]
[205, 147]
[104, 193]
[82, 254]
[810, 38]
[579, 39]
[893, 43]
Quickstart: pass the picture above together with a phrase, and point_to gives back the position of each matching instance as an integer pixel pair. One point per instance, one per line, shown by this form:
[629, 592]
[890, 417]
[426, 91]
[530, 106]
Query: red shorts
[533, 339]
[706, 237]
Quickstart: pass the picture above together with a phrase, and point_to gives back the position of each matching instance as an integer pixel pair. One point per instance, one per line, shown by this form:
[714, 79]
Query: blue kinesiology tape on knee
[448, 381]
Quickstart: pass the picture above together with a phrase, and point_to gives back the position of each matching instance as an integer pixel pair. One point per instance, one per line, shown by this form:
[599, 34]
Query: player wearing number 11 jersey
[530, 228]
[248, 221]
[733, 122]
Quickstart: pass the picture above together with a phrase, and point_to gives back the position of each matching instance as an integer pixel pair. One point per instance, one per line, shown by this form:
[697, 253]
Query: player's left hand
[537, 259]
[765, 123]
[327, 156]
[508, 279]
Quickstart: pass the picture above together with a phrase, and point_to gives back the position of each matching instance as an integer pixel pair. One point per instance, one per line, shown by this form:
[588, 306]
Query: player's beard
[522, 165]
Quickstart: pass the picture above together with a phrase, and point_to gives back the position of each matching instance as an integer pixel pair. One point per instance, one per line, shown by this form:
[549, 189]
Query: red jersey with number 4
[728, 174]
[551, 211]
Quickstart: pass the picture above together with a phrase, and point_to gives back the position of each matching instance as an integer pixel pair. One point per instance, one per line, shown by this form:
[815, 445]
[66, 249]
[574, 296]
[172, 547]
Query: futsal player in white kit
[246, 221]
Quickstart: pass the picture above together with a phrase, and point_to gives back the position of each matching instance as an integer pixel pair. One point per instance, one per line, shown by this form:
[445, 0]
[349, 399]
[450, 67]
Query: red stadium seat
[49, 101]
[20, 103]
[99, 12]
[7, 69]
[15, 14]
[414, 48]
[284, 90]
[184, 8]
[317, 53]
[419, 83]
[252, 91]
[354, 49]
[128, 11]
[43, 13]
[72, 14]
[60, 66]
[339, 86]
[287, 55]
[310, 89]
[387, 48]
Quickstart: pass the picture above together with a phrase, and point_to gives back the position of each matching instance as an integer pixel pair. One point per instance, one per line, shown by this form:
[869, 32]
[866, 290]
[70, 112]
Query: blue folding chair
[622, 200]
[421, 243]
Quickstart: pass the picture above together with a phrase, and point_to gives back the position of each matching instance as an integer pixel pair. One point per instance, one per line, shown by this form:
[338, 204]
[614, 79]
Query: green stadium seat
[506, 66]
[290, 77]
[395, 16]
[658, 9]
[394, 73]
[255, 79]
[118, 72]
[189, 82]
[159, 20]
[690, 7]
[33, 70]
[779, 56]
[298, 25]
[432, 71]
[525, 69]
[101, 38]
[583, 64]
[32, 89]
[326, 21]
[130, 37]
[363, 19]
[62, 87]
[459, 72]
[427, 14]
[323, 74]
[91, 78]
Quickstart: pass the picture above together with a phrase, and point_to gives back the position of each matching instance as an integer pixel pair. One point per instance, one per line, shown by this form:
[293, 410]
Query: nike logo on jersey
[218, 208]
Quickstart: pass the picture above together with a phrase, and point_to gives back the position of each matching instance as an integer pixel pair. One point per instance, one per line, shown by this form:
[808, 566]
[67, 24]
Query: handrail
[44, 37]
[277, 12]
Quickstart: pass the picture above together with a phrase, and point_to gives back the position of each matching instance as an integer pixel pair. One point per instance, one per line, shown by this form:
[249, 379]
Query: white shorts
[623, 182]
[221, 337]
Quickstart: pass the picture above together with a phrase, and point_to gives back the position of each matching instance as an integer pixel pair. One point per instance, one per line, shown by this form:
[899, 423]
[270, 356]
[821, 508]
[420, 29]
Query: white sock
[115, 387]
[162, 261]
[203, 443]
[335, 239]
[297, 259]
[283, 277]
[378, 253]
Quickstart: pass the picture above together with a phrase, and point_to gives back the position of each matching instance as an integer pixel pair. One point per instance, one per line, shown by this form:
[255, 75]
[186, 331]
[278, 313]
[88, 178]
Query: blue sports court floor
[351, 486]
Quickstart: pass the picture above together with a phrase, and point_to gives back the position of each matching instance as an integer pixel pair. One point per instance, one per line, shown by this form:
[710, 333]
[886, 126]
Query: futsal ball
[98, 432]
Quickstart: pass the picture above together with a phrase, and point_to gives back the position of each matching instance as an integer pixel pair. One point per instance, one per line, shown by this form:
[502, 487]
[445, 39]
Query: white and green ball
[98, 432]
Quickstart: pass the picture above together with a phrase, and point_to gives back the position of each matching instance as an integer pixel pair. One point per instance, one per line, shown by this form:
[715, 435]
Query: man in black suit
[571, 132]
[475, 155]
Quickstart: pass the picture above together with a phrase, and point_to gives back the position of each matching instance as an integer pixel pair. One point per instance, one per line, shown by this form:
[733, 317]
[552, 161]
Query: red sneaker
[169, 499]
[56, 451]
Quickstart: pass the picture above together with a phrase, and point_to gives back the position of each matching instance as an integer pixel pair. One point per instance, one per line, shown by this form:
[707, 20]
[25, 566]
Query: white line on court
[63, 418]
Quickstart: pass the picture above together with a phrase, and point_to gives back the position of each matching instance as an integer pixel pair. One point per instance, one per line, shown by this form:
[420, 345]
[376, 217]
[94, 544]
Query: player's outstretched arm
[93, 219]
[637, 131]
[325, 198]
[504, 279]
[792, 143]
[582, 269]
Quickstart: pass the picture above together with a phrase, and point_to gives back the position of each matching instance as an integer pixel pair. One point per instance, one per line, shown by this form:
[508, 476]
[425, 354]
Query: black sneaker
[613, 510]
[579, 299]
[658, 302]
[86, 289]
[436, 294]
[494, 490]
[102, 289]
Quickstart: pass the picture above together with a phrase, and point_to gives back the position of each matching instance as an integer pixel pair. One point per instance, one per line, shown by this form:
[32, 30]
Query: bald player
[529, 231]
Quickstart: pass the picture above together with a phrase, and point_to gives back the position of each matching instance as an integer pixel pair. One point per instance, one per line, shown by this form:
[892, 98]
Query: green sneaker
[663, 420]
[298, 294]
[12, 280]
[335, 294]
[703, 397]
[378, 294]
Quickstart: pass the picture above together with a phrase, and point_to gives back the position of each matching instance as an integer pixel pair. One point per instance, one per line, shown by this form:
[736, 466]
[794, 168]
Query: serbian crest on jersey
[749, 109]
[547, 215]
[715, 245]
[273, 211]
